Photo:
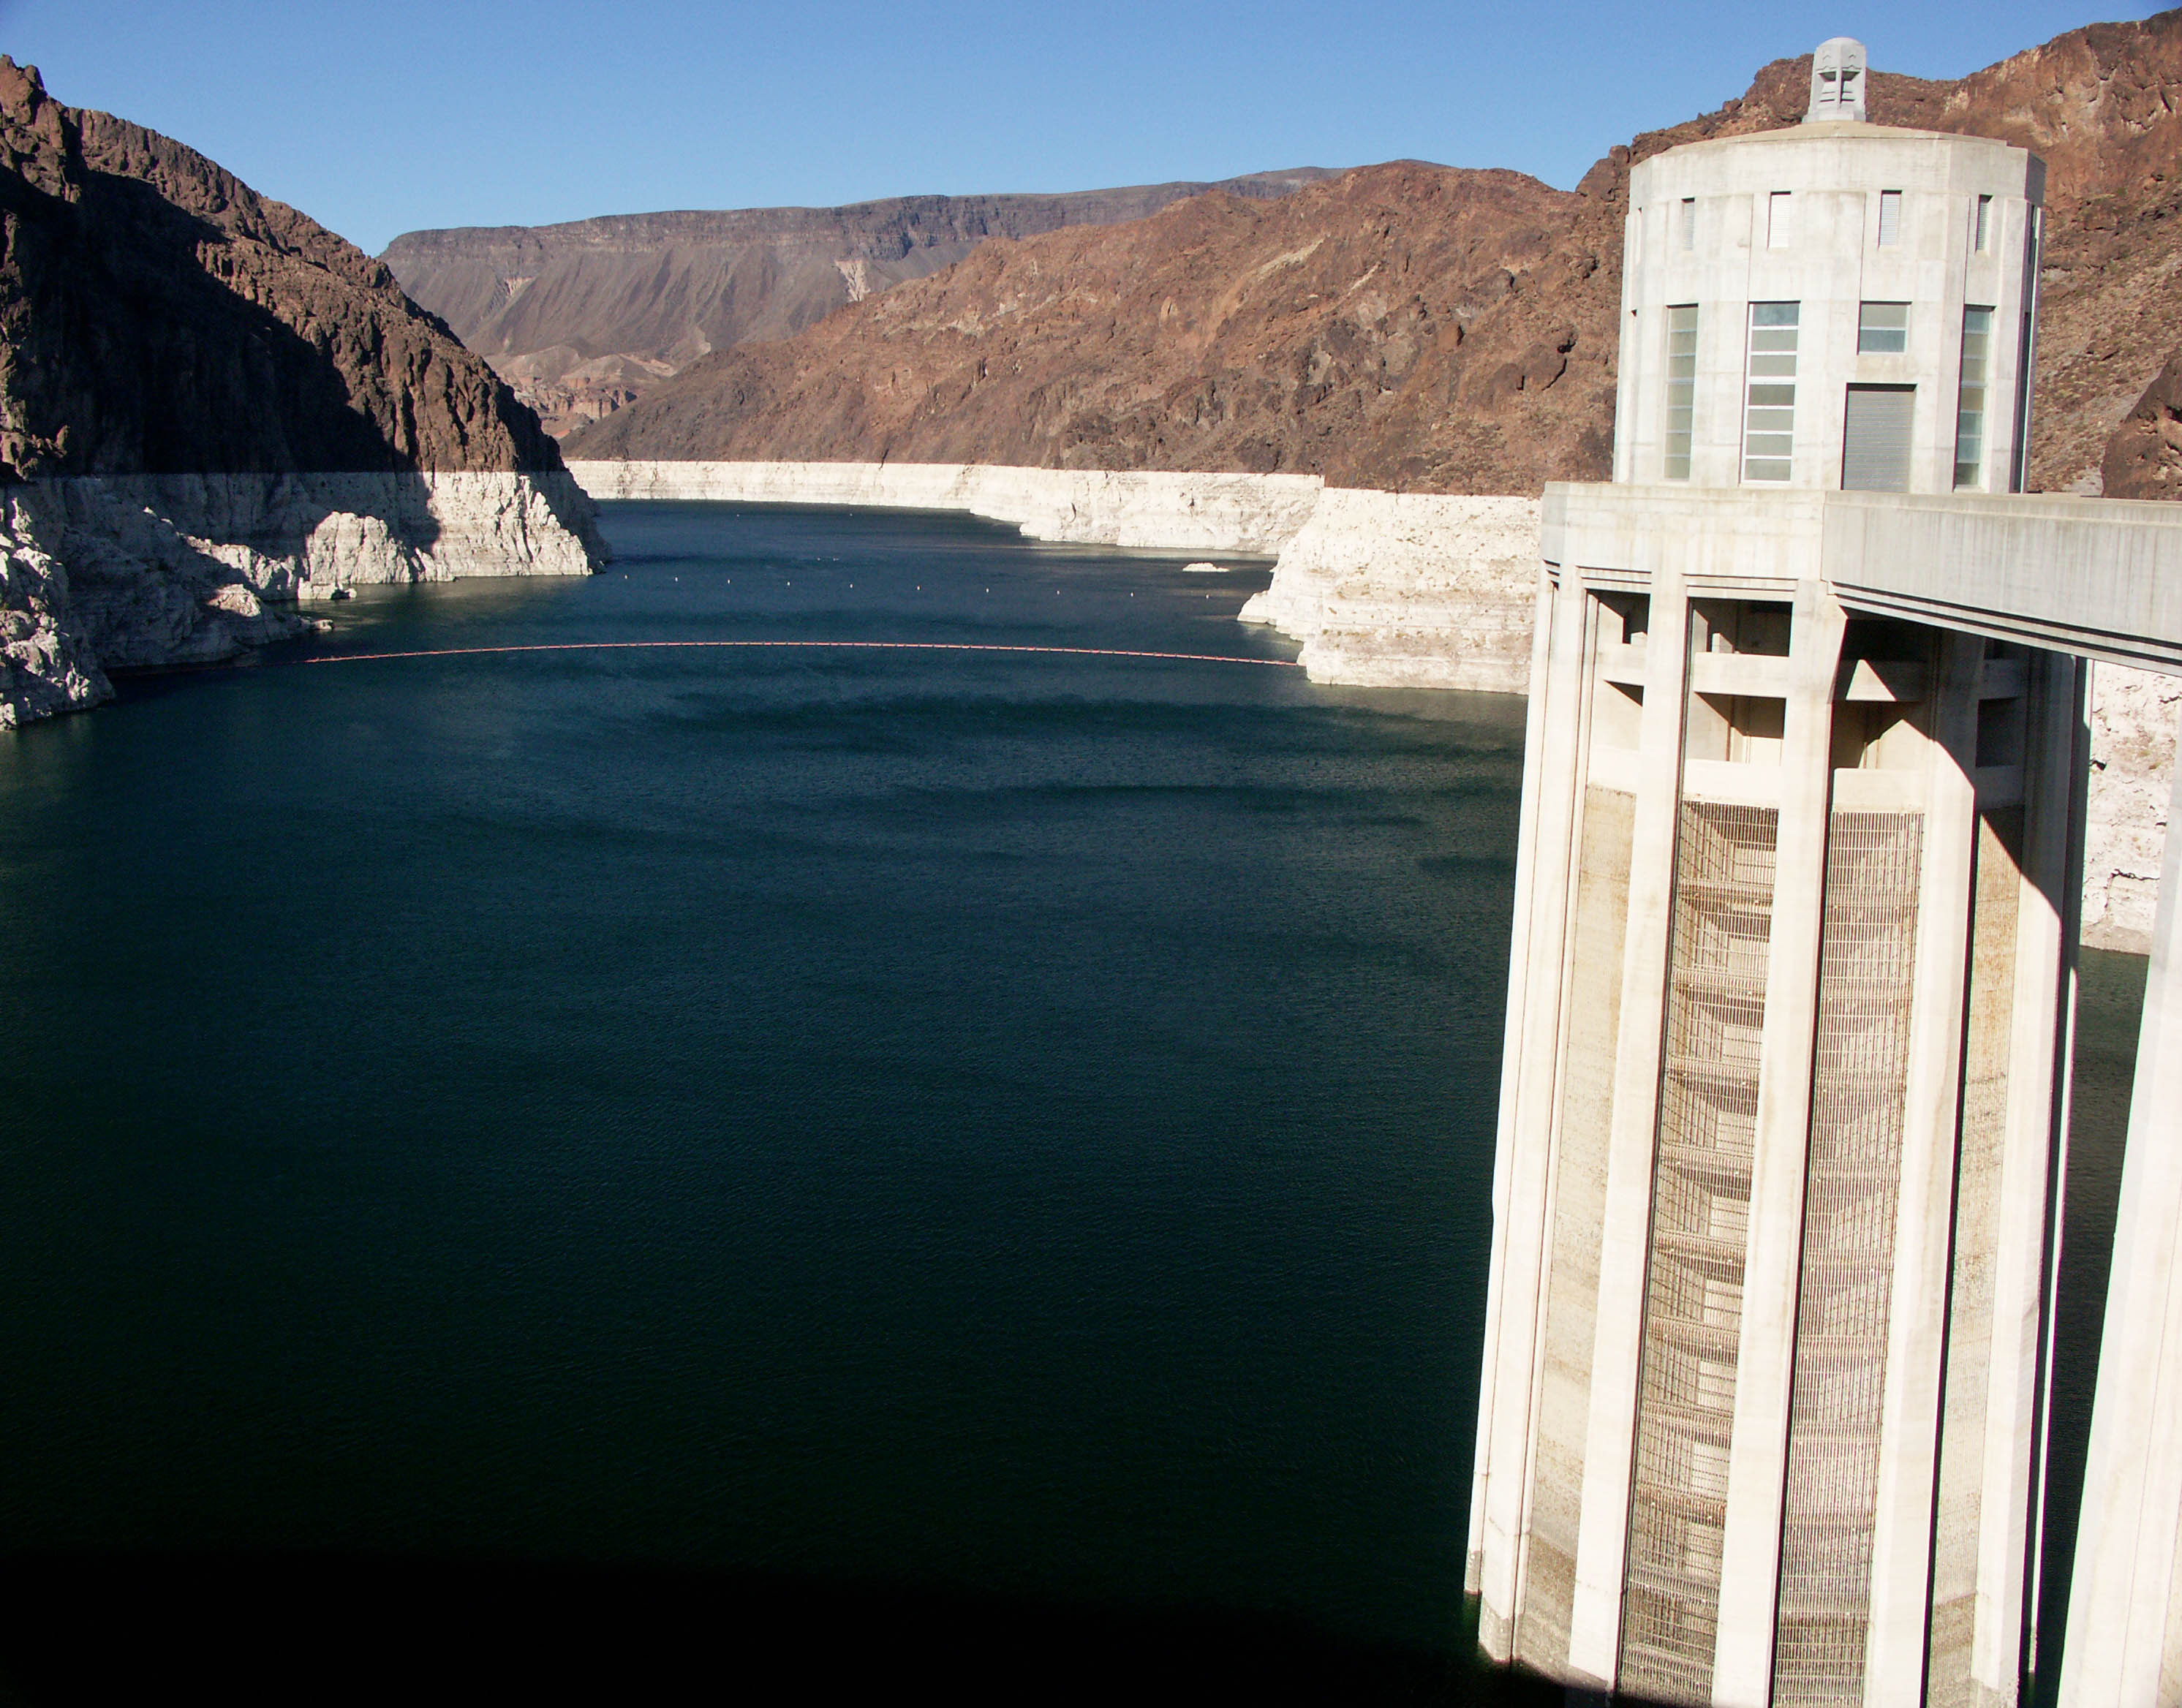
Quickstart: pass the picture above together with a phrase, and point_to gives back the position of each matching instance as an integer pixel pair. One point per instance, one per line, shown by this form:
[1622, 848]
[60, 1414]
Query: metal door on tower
[1875, 442]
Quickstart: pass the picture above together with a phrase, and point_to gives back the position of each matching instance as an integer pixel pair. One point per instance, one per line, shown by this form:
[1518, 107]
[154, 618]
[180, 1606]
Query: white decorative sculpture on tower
[1837, 70]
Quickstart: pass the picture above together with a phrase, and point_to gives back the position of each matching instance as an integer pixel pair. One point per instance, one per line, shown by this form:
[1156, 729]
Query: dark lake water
[894, 1159]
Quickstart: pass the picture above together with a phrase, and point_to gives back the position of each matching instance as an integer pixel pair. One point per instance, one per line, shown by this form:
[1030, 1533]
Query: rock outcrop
[1409, 590]
[2133, 721]
[46, 664]
[583, 317]
[211, 406]
[2143, 455]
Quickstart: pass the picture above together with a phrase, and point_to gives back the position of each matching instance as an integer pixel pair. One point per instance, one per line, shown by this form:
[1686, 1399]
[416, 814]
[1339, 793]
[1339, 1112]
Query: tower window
[1882, 329]
[1890, 218]
[1969, 400]
[1780, 220]
[1982, 240]
[1681, 386]
[1768, 423]
[1690, 222]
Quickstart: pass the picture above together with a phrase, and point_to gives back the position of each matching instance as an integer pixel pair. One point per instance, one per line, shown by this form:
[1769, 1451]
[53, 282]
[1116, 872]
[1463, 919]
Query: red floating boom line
[829, 645]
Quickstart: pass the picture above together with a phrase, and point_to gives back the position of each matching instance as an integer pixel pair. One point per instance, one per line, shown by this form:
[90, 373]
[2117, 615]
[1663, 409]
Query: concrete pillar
[2045, 975]
[1743, 1666]
[1595, 1633]
[1525, 1215]
[1901, 1530]
[1527, 856]
[2005, 1175]
[1552, 1106]
[2070, 899]
[2124, 1642]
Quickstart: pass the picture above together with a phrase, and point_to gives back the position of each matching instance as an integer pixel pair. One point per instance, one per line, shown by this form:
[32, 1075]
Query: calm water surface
[993, 1126]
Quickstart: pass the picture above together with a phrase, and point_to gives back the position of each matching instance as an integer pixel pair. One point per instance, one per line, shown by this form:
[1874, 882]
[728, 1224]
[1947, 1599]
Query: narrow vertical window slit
[1970, 398]
[1681, 387]
[1768, 426]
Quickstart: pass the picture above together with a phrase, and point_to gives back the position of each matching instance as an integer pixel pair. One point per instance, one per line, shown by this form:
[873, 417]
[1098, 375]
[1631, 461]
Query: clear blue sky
[379, 117]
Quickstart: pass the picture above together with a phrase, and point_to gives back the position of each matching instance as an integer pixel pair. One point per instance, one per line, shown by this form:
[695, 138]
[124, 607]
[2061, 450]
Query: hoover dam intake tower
[1784, 1094]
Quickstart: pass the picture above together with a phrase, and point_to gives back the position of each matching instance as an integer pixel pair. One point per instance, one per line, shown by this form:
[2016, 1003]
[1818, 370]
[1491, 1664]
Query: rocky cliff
[211, 406]
[1401, 325]
[1408, 327]
[584, 317]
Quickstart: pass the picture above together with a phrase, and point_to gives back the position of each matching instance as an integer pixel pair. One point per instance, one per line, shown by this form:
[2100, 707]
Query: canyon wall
[584, 317]
[2134, 716]
[212, 408]
[1402, 326]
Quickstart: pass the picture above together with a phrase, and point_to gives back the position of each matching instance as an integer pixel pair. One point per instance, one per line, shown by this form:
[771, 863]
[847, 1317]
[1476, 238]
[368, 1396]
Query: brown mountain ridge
[1417, 327]
[584, 316]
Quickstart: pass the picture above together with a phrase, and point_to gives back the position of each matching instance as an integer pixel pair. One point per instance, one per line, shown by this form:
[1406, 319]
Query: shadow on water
[245, 1630]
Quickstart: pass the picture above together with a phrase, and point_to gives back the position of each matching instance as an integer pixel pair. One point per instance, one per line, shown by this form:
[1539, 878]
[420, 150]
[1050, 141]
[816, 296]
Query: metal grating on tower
[1860, 1080]
[1723, 917]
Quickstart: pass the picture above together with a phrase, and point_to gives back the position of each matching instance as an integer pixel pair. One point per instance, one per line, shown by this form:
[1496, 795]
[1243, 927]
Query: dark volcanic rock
[2144, 456]
[1412, 326]
[584, 316]
[158, 315]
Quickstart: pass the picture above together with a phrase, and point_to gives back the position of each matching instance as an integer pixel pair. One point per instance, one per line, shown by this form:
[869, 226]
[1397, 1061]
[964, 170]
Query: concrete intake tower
[1784, 1091]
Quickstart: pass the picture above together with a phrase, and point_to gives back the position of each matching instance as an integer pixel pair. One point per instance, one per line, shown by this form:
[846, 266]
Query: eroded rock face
[585, 317]
[1400, 326]
[2144, 457]
[159, 316]
[1409, 589]
[210, 404]
[46, 665]
[2133, 717]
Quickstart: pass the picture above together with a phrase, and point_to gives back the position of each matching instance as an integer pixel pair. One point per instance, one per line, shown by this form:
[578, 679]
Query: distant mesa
[582, 317]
